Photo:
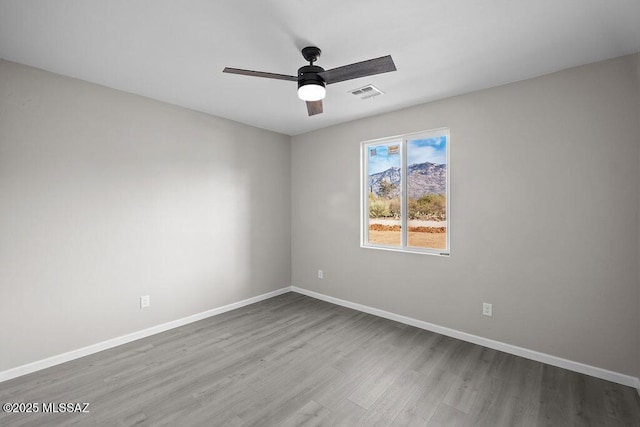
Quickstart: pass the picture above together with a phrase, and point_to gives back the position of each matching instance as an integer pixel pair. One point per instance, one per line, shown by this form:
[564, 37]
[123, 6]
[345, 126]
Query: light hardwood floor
[293, 360]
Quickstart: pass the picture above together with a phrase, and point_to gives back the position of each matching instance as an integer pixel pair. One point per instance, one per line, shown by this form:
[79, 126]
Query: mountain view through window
[406, 192]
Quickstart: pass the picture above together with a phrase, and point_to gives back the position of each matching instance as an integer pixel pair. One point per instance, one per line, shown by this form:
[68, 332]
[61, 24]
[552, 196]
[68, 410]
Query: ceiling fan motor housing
[309, 75]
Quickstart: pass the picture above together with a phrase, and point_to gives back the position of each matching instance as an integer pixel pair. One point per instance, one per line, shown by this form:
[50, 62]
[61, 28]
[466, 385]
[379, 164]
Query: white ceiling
[174, 51]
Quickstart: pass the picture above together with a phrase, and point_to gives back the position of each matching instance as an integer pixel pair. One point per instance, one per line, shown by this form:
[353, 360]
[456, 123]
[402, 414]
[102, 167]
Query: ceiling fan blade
[259, 74]
[380, 65]
[314, 107]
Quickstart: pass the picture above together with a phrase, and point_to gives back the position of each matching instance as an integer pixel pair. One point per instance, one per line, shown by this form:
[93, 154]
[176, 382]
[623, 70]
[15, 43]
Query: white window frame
[364, 192]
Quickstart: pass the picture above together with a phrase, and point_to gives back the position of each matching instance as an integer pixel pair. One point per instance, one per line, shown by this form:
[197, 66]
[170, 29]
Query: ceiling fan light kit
[312, 79]
[311, 91]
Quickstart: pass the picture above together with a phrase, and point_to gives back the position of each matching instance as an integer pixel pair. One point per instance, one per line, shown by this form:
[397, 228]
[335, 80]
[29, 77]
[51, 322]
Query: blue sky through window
[385, 156]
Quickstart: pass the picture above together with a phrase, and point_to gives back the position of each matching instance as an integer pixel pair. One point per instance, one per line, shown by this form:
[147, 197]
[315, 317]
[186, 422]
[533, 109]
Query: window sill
[407, 250]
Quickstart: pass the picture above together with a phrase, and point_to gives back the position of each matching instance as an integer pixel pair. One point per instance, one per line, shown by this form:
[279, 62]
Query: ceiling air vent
[365, 92]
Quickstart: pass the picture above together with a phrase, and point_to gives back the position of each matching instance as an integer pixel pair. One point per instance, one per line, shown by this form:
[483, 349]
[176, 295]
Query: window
[405, 193]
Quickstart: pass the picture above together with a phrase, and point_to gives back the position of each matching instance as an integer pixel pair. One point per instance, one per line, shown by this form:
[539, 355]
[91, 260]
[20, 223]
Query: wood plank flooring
[297, 361]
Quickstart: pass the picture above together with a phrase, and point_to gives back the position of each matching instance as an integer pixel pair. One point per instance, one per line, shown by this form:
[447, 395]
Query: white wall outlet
[145, 301]
[487, 309]
[320, 274]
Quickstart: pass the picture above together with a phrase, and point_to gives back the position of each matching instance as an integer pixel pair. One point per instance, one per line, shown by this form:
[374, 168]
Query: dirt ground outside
[420, 239]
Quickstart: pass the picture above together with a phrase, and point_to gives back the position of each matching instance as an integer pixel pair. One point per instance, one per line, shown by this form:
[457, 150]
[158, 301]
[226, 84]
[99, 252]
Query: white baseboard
[85, 351]
[582, 368]
[486, 342]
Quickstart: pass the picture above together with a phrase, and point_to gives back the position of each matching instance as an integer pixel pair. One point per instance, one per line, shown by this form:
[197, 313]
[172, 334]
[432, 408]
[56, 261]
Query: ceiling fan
[312, 78]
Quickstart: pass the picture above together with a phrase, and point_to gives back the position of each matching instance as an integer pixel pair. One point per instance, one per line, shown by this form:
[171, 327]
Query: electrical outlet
[320, 274]
[145, 301]
[487, 309]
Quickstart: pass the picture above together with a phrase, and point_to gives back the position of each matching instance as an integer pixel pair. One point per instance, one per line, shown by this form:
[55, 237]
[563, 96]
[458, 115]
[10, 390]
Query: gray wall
[544, 221]
[638, 107]
[107, 196]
